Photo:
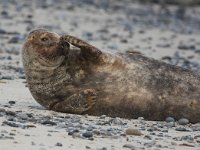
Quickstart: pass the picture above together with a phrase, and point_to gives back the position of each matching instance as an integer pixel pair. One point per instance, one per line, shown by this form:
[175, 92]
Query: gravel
[114, 26]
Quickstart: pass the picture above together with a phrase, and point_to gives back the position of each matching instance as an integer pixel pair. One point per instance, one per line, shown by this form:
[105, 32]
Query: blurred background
[166, 30]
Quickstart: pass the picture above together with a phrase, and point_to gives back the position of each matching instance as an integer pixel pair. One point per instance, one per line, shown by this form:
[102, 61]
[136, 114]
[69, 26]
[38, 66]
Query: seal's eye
[44, 39]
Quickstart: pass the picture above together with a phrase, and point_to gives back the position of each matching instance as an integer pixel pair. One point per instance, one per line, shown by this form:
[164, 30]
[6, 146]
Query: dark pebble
[11, 113]
[186, 47]
[59, 144]
[181, 129]
[148, 137]
[130, 146]
[48, 122]
[124, 41]
[4, 13]
[163, 45]
[14, 40]
[187, 138]
[73, 131]
[7, 77]
[87, 147]
[87, 134]
[13, 124]
[11, 102]
[2, 31]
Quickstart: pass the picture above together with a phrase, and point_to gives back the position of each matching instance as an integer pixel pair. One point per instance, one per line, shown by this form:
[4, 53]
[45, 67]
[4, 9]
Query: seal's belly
[48, 83]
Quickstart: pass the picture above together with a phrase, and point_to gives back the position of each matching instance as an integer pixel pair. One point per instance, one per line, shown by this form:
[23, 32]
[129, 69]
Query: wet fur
[129, 85]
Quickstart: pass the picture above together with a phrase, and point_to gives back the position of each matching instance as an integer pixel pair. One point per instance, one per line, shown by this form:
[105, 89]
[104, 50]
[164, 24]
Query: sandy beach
[168, 33]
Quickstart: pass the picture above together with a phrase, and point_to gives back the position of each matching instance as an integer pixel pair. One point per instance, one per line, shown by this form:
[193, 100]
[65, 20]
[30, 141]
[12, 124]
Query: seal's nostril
[65, 45]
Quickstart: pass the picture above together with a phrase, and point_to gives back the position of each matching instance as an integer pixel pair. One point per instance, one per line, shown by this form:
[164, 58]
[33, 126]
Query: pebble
[71, 132]
[87, 134]
[14, 40]
[87, 147]
[11, 102]
[130, 146]
[11, 113]
[117, 121]
[186, 47]
[183, 121]
[170, 124]
[196, 127]
[181, 129]
[48, 122]
[132, 131]
[2, 31]
[187, 138]
[7, 77]
[148, 137]
[59, 144]
[13, 124]
[170, 119]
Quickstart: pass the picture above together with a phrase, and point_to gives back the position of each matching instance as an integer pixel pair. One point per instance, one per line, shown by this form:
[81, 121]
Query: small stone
[164, 45]
[90, 128]
[132, 147]
[76, 135]
[102, 117]
[132, 131]
[181, 129]
[71, 132]
[196, 127]
[173, 143]
[183, 121]
[7, 77]
[170, 119]
[10, 113]
[13, 124]
[2, 110]
[117, 121]
[11, 102]
[87, 134]
[2, 31]
[14, 40]
[59, 144]
[48, 122]
[4, 13]
[148, 137]
[124, 41]
[170, 124]
[87, 147]
[187, 138]
[33, 143]
[22, 116]
[186, 47]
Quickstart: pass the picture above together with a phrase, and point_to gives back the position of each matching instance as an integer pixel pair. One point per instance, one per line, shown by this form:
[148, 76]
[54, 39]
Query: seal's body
[89, 81]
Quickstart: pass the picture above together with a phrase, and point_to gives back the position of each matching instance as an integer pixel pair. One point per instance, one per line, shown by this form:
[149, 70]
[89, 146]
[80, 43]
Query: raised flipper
[77, 103]
[88, 51]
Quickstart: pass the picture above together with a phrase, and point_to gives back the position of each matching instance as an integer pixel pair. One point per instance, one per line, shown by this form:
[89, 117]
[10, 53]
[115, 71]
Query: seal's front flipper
[77, 103]
[87, 50]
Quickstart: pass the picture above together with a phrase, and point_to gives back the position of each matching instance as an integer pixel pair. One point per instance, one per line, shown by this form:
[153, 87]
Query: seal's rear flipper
[77, 103]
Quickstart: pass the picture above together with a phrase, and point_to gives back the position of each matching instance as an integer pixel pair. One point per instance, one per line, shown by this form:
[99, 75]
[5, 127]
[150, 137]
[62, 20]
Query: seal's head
[41, 44]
